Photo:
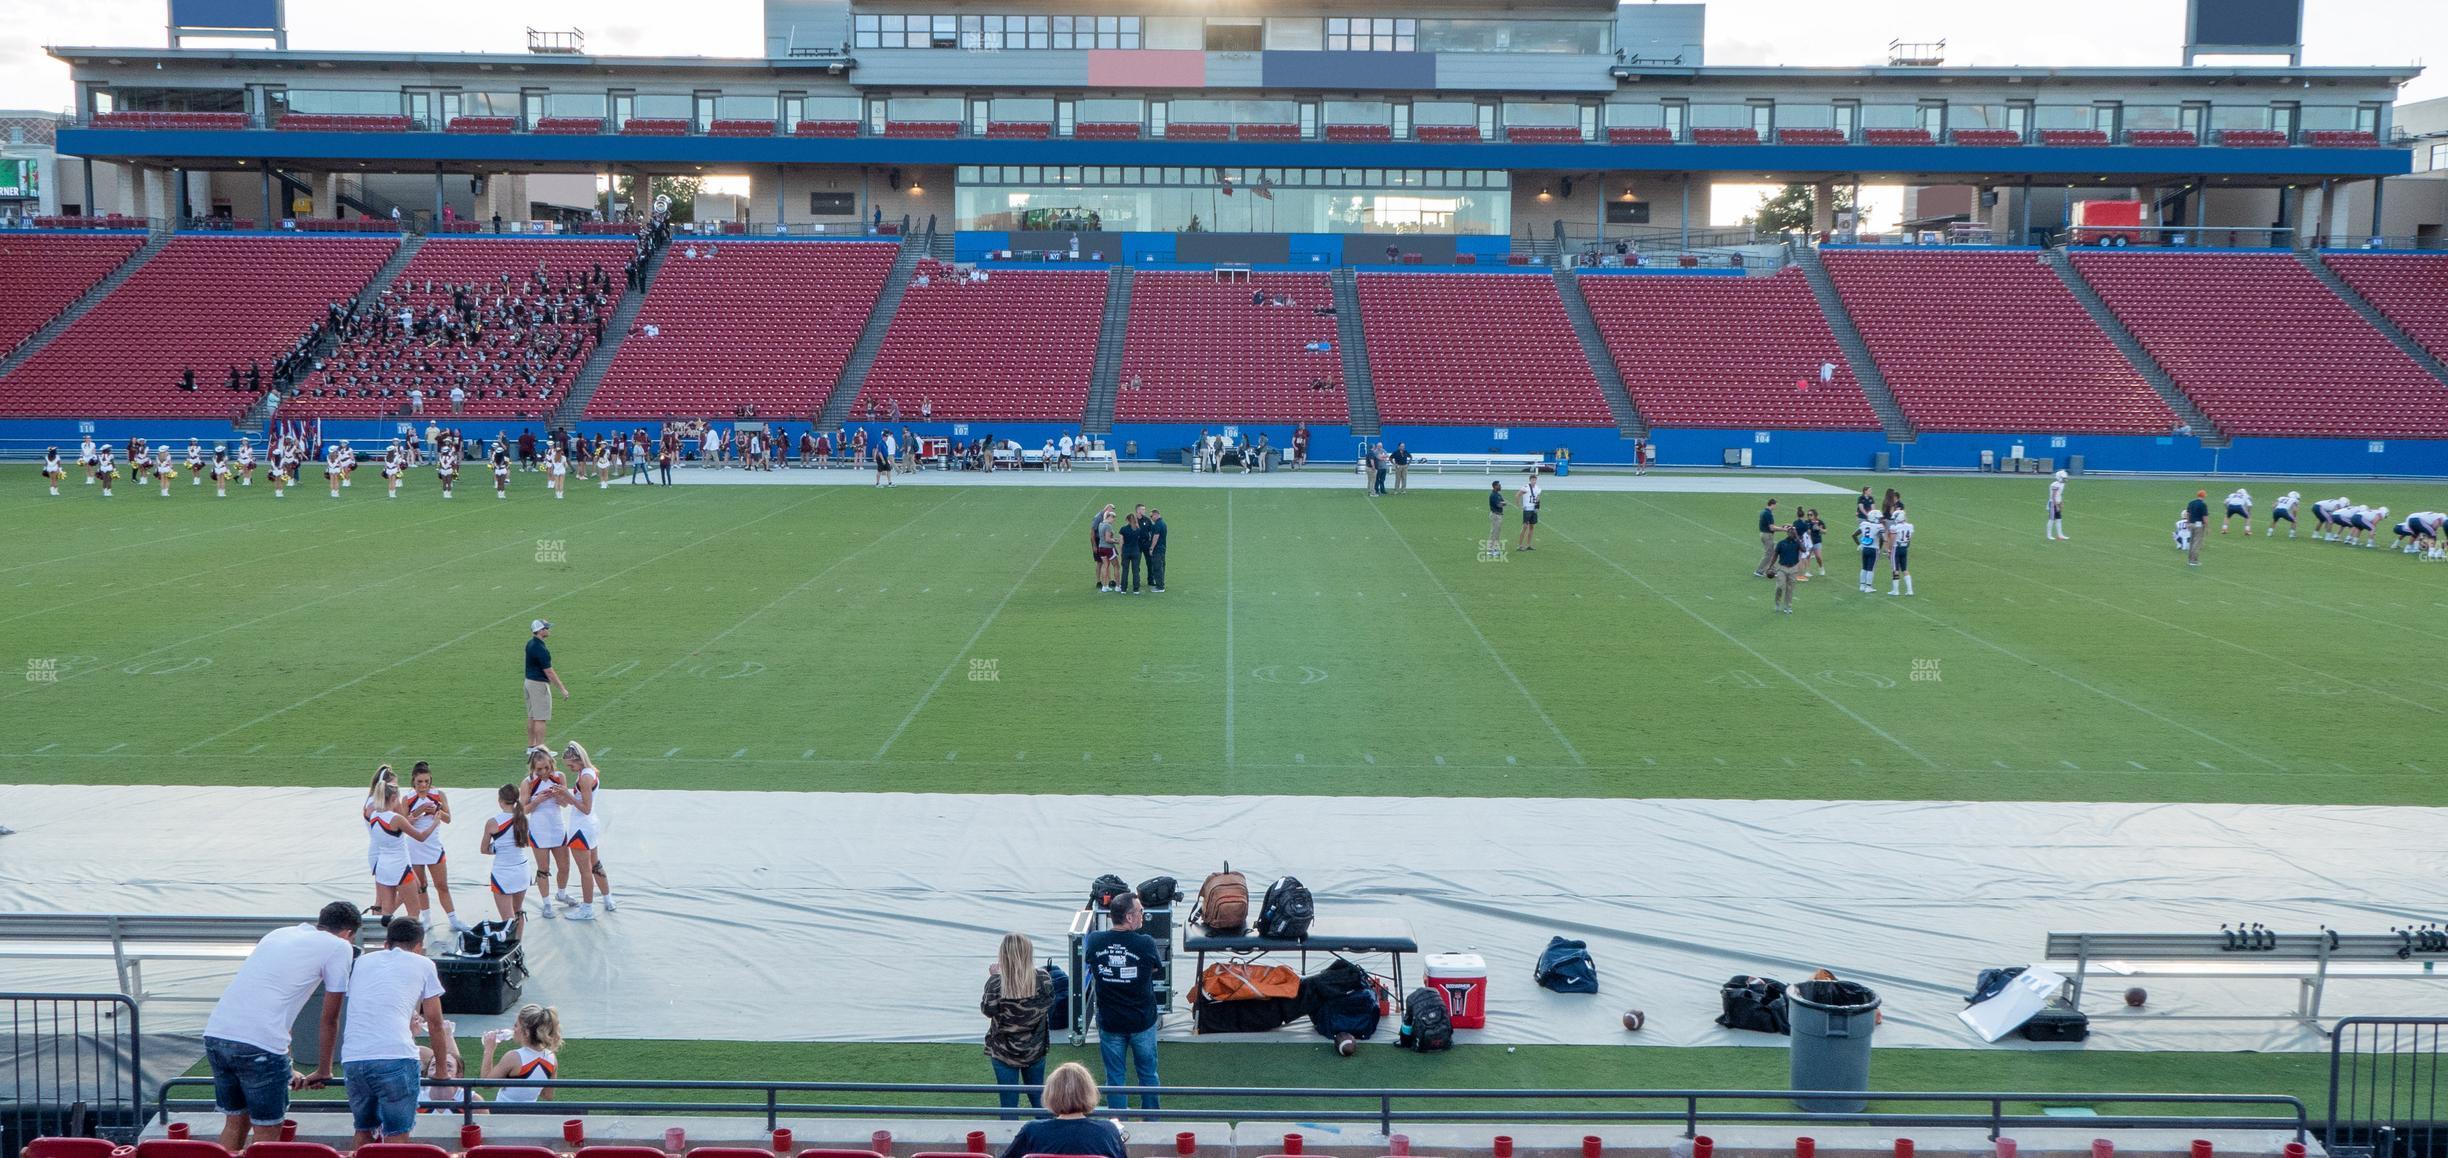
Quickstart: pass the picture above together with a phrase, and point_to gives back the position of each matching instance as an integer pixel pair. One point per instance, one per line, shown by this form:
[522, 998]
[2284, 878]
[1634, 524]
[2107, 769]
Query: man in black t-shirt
[1155, 536]
[2197, 513]
[1134, 545]
[1124, 962]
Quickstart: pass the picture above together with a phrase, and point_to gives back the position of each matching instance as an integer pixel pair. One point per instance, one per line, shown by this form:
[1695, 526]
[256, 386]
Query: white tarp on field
[871, 917]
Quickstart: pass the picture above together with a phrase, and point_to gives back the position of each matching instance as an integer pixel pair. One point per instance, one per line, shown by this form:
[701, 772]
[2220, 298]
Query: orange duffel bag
[1247, 981]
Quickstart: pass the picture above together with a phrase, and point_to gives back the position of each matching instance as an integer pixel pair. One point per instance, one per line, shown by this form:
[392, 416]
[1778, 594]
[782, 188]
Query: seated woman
[1071, 1096]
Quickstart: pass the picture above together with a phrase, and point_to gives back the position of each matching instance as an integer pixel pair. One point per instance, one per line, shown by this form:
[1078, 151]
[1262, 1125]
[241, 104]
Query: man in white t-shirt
[1064, 448]
[246, 1040]
[1530, 496]
[386, 992]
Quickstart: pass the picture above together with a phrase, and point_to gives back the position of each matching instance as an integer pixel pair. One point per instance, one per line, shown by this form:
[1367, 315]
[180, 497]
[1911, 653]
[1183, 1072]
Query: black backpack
[1755, 1003]
[486, 939]
[1287, 911]
[1427, 1025]
[1566, 967]
[1105, 889]
[1058, 1007]
[1159, 892]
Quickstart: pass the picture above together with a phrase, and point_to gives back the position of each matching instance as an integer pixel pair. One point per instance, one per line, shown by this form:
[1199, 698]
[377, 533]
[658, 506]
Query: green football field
[949, 639]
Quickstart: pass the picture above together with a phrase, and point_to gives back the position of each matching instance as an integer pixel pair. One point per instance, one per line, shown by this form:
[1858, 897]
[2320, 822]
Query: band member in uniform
[105, 471]
[2056, 507]
[2283, 510]
[221, 472]
[1899, 535]
[53, 470]
[507, 839]
[86, 458]
[195, 462]
[586, 830]
[2239, 506]
[426, 855]
[394, 468]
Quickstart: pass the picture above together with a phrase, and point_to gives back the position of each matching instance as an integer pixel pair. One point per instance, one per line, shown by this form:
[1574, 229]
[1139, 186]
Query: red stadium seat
[1640, 136]
[1447, 134]
[2073, 137]
[43, 274]
[1198, 132]
[1812, 137]
[1726, 136]
[942, 130]
[628, 1152]
[1019, 345]
[729, 127]
[2410, 288]
[1988, 137]
[1898, 137]
[1019, 130]
[179, 1148]
[289, 1150]
[1990, 340]
[70, 1148]
[2253, 138]
[1104, 131]
[1359, 133]
[825, 129]
[655, 127]
[482, 125]
[1266, 132]
[2341, 139]
[2264, 348]
[569, 126]
[179, 120]
[2162, 138]
[1704, 350]
[400, 1150]
[1543, 134]
[498, 1151]
[1476, 349]
[1203, 353]
[763, 323]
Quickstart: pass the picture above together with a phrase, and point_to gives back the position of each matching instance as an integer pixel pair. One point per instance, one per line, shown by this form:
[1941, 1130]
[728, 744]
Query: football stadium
[1621, 793]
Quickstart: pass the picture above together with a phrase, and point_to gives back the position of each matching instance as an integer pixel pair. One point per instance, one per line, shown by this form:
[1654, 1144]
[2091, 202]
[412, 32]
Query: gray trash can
[1832, 1024]
[1878, 462]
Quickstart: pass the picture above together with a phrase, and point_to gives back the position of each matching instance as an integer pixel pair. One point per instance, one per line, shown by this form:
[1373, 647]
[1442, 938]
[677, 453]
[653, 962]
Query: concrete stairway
[1106, 380]
[1351, 341]
[83, 305]
[2130, 346]
[2379, 321]
[871, 338]
[1857, 352]
[1602, 360]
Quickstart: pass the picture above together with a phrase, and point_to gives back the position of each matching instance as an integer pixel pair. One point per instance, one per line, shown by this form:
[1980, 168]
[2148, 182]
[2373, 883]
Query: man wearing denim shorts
[386, 992]
[246, 1040]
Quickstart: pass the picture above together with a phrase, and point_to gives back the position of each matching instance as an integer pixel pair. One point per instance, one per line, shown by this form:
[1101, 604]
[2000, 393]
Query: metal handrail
[1691, 1114]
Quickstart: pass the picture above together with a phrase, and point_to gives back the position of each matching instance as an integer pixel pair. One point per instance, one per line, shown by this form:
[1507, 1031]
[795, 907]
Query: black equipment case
[482, 985]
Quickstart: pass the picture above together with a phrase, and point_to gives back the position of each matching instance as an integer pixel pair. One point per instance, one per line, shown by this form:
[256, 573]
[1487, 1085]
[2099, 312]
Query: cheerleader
[446, 467]
[603, 463]
[507, 838]
[164, 470]
[387, 838]
[195, 463]
[105, 471]
[332, 470]
[246, 463]
[537, 1030]
[86, 458]
[394, 468]
[542, 796]
[140, 464]
[427, 805]
[501, 471]
[283, 472]
[586, 833]
[556, 465]
[365, 812]
[348, 462]
[1814, 529]
[220, 472]
[53, 470]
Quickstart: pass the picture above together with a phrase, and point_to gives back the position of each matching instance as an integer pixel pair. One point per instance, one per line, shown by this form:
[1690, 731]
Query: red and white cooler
[1462, 980]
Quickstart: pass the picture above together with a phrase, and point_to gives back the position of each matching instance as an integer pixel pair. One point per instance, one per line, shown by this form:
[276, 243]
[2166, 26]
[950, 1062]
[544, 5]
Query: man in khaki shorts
[541, 680]
[1769, 530]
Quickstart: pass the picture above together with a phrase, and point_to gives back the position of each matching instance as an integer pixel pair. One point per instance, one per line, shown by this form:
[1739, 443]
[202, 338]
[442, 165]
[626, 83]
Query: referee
[541, 680]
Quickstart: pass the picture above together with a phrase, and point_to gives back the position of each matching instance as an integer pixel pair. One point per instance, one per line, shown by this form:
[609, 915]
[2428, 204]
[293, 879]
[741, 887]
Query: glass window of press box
[982, 33]
[169, 100]
[1171, 199]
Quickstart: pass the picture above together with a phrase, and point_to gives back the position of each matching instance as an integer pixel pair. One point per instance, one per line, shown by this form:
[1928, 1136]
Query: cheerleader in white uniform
[603, 464]
[543, 795]
[507, 839]
[53, 470]
[426, 805]
[284, 471]
[537, 1030]
[395, 467]
[246, 463]
[164, 470]
[501, 486]
[446, 467]
[382, 776]
[86, 458]
[393, 830]
[332, 470]
[556, 464]
[140, 462]
[195, 462]
[586, 830]
[105, 471]
[221, 472]
[348, 463]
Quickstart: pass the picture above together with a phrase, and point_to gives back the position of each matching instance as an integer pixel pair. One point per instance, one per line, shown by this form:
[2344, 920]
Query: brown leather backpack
[1223, 902]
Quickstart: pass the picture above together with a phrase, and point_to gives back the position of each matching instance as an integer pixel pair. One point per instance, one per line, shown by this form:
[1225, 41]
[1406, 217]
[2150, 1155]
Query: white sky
[1790, 32]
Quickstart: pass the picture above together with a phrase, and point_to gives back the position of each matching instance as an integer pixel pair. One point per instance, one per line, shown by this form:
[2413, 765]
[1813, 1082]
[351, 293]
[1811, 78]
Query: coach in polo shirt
[541, 680]
[1769, 530]
[246, 1040]
[387, 991]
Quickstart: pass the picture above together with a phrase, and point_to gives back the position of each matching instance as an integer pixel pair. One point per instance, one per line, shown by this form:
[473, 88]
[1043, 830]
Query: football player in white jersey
[2283, 511]
[1899, 538]
[2363, 523]
[2420, 533]
[2325, 524]
[2239, 506]
[1868, 536]
[2056, 508]
[2184, 530]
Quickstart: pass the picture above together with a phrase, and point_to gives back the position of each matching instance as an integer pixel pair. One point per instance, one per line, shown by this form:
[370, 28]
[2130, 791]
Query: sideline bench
[2310, 959]
[1484, 463]
[1326, 935]
[128, 940]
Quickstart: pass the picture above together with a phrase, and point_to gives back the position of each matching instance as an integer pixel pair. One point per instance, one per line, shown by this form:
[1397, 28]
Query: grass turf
[1311, 1063]
[928, 639]
[1313, 642]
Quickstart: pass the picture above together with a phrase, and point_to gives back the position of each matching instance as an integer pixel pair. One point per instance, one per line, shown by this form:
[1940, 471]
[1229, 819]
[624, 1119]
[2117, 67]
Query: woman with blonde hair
[1070, 1095]
[1018, 997]
[585, 831]
[537, 1058]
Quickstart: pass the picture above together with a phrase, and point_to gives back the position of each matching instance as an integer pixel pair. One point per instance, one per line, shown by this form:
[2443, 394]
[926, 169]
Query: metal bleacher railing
[1383, 1108]
[75, 1064]
[2388, 1089]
